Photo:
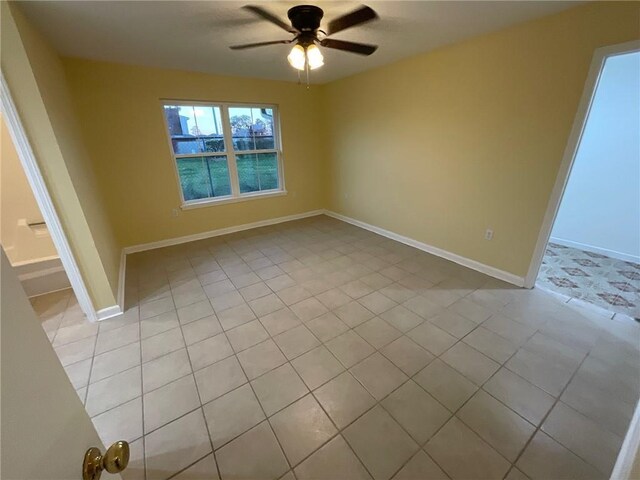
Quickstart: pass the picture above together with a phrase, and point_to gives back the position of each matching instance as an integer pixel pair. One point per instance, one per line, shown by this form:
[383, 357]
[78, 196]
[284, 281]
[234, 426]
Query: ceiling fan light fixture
[314, 57]
[297, 57]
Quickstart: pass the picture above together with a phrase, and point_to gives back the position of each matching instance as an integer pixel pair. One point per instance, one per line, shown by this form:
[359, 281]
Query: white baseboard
[460, 260]
[216, 233]
[109, 312]
[121, 279]
[590, 248]
[624, 466]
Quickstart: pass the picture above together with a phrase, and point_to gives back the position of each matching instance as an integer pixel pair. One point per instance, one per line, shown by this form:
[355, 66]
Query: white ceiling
[195, 35]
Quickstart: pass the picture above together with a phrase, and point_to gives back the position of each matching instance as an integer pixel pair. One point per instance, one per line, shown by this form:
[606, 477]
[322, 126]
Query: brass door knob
[115, 460]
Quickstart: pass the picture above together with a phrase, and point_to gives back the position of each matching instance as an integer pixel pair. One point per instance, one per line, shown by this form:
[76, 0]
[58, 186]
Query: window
[224, 152]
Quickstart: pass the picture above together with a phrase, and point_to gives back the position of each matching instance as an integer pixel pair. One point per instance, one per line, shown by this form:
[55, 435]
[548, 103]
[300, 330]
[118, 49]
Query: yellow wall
[36, 80]
[121, 116]
[18, 208]
[443, 145]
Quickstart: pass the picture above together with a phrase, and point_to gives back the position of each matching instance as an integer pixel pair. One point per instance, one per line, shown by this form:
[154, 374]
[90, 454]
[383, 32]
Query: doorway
[593, 251]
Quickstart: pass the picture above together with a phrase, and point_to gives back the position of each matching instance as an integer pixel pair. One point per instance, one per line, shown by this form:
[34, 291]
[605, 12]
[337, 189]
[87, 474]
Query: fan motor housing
[305, 18]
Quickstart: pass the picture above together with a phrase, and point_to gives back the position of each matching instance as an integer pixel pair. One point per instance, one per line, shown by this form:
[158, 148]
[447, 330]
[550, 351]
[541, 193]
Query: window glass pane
[257, 171]
[204, 177]
[252, 128]
[195, 129]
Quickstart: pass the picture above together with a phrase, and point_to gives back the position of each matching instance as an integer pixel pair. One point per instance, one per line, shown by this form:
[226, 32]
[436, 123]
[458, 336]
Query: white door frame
[43, 199]
[597, 64]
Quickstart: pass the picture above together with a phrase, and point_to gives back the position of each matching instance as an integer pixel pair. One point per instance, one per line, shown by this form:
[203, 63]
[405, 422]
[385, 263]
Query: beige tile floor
[318, 350]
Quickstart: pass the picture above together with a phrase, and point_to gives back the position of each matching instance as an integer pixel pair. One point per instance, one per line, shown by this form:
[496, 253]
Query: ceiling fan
[305, 26]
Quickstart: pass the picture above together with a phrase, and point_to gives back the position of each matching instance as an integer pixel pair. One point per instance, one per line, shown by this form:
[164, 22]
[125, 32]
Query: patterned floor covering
[592, 277]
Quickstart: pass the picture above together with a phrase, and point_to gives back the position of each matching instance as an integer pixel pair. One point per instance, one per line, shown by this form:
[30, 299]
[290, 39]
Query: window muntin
[224, 151]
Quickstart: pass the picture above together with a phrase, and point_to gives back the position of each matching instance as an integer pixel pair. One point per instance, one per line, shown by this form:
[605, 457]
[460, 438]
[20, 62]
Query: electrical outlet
[488, 235]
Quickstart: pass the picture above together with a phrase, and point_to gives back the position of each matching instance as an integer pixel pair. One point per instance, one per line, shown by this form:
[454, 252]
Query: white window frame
[229, 152]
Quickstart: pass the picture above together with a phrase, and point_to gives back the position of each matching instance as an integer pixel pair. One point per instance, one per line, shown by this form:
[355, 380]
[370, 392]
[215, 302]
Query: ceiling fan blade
[357, 17]
[261, 12]
[261, 44]
[359, 48]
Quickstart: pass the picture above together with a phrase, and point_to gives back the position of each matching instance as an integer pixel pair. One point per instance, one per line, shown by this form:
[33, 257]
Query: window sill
[210, 202]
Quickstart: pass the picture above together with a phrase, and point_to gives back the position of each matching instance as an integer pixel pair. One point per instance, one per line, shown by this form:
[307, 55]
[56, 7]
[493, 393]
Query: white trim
[109, 312]
[121, 280]
[588, 93]
[592, 248]
[41, 194]
[629, 451]
[34, 260]
[210, 202]
[215, 233]
[460, 260]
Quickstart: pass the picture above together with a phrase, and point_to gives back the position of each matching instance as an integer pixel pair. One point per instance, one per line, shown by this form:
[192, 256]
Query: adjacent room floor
[316, 349]
[607, 282]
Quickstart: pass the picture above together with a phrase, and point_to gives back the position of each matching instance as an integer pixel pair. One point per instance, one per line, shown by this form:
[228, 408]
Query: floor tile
[463, 454]
[432, 338]
[123, 422]
[421, 466]
[416, 411]
[472, 364]
[349, 348]
[356, 289]
[247, 335]
[268, 304]
[113, 391]
[470, 310]
[225, 302]
[169, 402]
[135, 470]
[232, 414]
[163, 459]
[161, 344]
[296, 341]
[499, 426]
[407, 355]
[217, 379]
[583, 437]
[333, 461]
[377, 302]
[158, 324]
[423, 307]
[163, 370]
[208, 351]
[115, 361]
[235, 316]
[401, 318]
[113, 339]
[452, 323]
[377, 332]
[301, 428]
[255, 291]
[515, 474]
[205, 469]
[317, 366]
[293, 294]
[265, 462]
[333, 298]
[74, 333]
[515, 332]
[344, 399]
[279, 321]
[79, 372]
[278, 388]
[200, 329]
[378, 375]
[545, 458]
[380, 443]
[521, 396]
[491, 344]
[327, 326]
[156, 307]
[447, 385]
[308, 309]
[542, 372]
[195, 311]
[76, 351]
[353, 314]
[261, 358]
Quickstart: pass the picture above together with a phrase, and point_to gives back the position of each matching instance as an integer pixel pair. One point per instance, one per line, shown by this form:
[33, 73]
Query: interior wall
[600, 209]
[18, 208]
[35, 77]
[119, 108]
[442, 146]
